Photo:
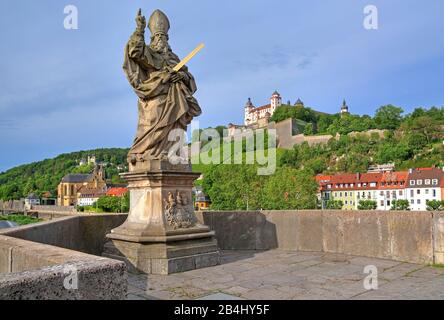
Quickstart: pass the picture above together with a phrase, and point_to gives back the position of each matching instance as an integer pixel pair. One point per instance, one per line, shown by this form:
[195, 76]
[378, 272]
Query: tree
[334, 204]
[434, 205]
[290, 189]
[308, 130]
[109, 204]
[400, 205]
[367, 205]
[388, 117]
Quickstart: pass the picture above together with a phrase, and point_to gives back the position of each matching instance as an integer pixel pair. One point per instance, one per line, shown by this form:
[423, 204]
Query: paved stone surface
[277, 274]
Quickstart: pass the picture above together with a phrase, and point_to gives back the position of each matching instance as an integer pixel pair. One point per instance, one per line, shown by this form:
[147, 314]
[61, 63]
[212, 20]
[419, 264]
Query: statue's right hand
[140, 20]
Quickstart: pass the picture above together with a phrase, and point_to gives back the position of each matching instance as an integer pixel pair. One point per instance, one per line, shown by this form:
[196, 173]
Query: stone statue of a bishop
[166, 99]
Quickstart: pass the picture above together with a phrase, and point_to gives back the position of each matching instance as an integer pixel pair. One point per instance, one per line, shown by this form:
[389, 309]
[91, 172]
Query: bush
[434, 205]
[334, 204]
[367, 205]
[400, 205]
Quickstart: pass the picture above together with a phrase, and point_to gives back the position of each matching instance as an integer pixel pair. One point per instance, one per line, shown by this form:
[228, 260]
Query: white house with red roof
[391, 187]
[424, 184]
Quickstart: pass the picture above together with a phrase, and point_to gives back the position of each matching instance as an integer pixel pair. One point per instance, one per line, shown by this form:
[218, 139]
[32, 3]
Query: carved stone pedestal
[162, 234]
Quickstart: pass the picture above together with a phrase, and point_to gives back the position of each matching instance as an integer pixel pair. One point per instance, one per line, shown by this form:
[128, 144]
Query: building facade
[68, 189]
[424, 184]
[255, 115]
[391, 187]
[416, 185]
[87, 196]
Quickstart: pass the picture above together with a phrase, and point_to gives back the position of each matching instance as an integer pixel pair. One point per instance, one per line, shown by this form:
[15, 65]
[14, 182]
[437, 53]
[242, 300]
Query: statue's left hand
[177, 76]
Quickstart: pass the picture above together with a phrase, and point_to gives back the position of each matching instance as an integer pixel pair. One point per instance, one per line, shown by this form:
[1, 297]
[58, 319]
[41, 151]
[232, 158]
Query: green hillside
[44, 176]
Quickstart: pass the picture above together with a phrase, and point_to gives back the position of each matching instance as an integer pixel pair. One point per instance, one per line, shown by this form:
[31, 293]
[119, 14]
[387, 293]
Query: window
[382, 203]
[346, 202]
[345, 193]
[412, 182]
[381, 193]
[400, 192]
[372, 184]
[369, 195]
[418, 191]
[418, 201]
[359, 185]
[426, 191]
[340, 194]
[434, 192]
[419, 182]
[388, 203]
[412, 201]
[427, 181]
[435, 182]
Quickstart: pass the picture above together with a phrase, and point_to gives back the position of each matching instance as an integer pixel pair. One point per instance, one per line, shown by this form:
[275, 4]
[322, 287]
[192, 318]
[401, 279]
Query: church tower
[248, 107]
[344, 108]
[275, 101]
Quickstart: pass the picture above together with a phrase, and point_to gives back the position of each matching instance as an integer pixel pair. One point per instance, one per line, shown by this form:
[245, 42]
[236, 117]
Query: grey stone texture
[416, 237]
[80, 232]
[30, 270]
[282, 274]
[165, 257]
[162, 234]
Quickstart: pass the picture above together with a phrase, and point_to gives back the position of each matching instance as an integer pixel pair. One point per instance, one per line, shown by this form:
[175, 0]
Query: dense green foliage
[401, 205]
[43, 176]
[367, 205]
[433, 205]
[415, 143]
[334, 204]
[20, 219]
[410, 141]
[238, 187]
[387, 117]
[286, 111]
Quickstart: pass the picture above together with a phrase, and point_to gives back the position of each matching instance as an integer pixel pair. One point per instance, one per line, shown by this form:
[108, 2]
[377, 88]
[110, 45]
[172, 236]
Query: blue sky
[64, 90]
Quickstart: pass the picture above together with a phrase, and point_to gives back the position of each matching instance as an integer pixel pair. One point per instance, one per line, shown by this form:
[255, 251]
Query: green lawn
[19, 219]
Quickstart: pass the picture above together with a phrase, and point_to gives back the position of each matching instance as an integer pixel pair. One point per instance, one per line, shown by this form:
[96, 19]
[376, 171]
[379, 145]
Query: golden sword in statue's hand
[188, 57]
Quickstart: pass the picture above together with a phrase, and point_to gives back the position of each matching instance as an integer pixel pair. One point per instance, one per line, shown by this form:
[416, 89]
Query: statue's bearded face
[159, 43]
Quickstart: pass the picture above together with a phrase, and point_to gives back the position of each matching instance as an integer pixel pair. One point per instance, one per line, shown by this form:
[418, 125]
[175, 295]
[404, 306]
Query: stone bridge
[265, 255]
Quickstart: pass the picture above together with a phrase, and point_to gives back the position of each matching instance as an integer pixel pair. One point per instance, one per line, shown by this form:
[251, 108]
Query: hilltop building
[344, 108]
[69, 189]
[261, 115]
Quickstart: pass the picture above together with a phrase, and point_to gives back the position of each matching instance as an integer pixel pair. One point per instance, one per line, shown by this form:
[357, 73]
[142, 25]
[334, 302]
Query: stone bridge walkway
[279, 274]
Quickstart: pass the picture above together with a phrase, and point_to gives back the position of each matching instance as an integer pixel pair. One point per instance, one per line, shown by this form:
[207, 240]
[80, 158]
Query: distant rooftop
[76, 178]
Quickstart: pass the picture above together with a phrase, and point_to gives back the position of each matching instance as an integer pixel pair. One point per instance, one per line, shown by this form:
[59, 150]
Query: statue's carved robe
[163, 105]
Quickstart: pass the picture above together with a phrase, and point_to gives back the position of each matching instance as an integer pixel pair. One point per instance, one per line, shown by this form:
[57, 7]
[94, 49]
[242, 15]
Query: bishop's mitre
[158, 23]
